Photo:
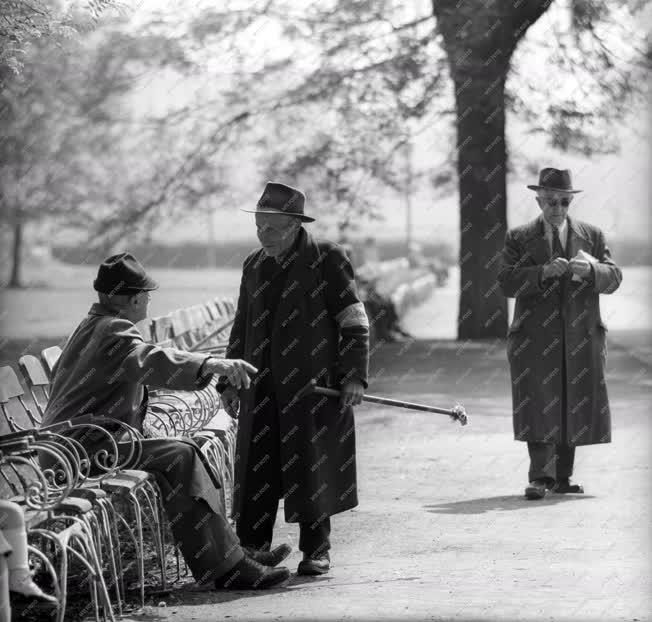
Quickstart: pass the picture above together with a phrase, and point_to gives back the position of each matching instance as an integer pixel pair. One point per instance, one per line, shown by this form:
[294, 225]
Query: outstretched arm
[153, 365]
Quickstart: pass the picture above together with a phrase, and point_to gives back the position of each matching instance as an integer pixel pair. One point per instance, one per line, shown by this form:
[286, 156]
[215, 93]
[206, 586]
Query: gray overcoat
[549, 327]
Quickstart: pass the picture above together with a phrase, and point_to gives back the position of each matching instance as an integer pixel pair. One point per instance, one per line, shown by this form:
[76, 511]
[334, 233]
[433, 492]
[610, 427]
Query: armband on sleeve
[353, 315]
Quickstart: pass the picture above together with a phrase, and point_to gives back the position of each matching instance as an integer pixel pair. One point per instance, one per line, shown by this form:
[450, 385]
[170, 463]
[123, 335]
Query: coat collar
[292, 252]
[304, 254]
[99, 309]
[535, 238]
[300, 278]
[577, 228]
[536, 228]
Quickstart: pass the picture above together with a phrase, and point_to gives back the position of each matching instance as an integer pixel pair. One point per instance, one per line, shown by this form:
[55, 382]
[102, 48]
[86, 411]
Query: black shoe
[269, 558]
[39, 601]
[536, 489]
[315, 565]
[248, 574]
[564, 486]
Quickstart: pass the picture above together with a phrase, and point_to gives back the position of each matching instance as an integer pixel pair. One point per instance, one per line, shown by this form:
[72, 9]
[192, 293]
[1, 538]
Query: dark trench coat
[318, 450]
[547, 327]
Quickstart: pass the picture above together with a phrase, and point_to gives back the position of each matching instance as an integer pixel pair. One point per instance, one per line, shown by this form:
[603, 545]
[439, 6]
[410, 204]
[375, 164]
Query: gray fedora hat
[123, 274]
[554, 179]
[280, 198]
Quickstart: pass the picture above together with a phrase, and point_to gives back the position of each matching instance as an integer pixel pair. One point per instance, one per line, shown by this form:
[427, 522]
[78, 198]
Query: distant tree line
[627, 252]
[226, 254]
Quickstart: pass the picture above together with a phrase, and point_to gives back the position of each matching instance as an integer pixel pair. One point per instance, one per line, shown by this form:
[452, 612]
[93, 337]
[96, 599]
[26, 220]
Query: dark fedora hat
[554, 179]
[123, 274]
[281, 199]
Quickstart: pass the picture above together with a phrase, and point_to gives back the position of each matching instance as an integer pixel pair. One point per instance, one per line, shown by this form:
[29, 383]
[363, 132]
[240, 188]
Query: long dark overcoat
[548, 326]
[318, 476]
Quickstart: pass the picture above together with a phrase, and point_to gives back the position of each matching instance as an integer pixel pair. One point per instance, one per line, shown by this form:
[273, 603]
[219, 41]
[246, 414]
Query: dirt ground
[443, 532]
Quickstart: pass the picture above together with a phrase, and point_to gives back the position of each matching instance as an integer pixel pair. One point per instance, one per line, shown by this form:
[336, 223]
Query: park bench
[54, 514]
[389, 289]
[75, 517]
[137, 487]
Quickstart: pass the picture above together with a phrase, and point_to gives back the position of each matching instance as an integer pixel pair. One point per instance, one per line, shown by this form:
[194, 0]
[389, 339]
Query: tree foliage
[327, 94]
[76, 150]
[385, 71]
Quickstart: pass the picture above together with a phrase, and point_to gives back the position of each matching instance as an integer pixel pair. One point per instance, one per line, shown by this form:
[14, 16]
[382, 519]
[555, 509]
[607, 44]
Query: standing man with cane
[556, 268]
[298, 318]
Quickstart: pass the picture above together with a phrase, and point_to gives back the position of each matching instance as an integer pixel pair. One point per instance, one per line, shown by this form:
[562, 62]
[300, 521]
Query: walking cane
[457, 413]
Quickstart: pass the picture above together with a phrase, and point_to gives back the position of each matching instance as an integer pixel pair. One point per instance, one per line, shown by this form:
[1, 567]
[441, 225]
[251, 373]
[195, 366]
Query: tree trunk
[480, 39]
[481, 165]
[15, 279]
[479, 49]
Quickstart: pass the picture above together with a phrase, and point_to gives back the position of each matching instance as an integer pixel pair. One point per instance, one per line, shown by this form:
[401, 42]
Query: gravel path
[443, 532]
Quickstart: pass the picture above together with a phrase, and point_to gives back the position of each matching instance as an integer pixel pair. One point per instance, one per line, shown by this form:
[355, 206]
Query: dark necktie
[557, 248]
[558, 251]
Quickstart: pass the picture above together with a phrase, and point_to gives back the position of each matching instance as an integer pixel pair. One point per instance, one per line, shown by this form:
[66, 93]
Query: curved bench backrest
[50, 356]
[35, 377]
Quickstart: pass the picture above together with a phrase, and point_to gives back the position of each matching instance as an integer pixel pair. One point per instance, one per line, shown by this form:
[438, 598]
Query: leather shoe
[248, 574]
[42, 600]
[314, 565]
[564, 486]
[269, 558]
[536, 489]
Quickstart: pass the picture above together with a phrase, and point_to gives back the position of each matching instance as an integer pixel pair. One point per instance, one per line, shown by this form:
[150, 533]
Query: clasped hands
[560, 266]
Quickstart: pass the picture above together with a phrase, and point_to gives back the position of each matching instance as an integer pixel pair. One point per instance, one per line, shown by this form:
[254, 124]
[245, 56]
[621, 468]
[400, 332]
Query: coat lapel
[255, 288]
[577, 240]
[300, 282]
[536, 242]
[301, 277]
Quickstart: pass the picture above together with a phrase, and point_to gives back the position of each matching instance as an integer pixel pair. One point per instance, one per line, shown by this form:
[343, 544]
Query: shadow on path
[187, 596]
[500, 504]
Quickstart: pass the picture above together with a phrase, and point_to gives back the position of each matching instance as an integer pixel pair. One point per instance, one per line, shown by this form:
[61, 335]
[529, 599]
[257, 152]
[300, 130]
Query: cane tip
[460, 414]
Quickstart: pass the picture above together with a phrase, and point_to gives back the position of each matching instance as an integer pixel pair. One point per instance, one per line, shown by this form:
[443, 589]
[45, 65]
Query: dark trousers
[263, 486]
[194, 509]
[551, 461]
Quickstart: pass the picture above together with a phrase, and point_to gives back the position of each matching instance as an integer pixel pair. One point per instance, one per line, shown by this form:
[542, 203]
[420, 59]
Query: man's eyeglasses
[564, 202]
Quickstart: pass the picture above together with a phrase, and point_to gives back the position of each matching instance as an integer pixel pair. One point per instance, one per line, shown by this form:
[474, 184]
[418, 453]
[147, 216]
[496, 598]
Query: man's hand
[236, 370]
[581, 267]
[555, 268]
[351, 393]
[231, 401]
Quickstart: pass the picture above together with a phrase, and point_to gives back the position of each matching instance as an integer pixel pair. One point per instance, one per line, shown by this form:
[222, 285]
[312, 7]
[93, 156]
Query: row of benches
[88, 509]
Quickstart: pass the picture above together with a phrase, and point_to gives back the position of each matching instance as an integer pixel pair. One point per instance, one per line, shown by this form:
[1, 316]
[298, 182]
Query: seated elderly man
[103, 370]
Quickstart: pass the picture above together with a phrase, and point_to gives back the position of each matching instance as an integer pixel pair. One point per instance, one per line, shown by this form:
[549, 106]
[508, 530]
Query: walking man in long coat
[298, 318]
[556, 268]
